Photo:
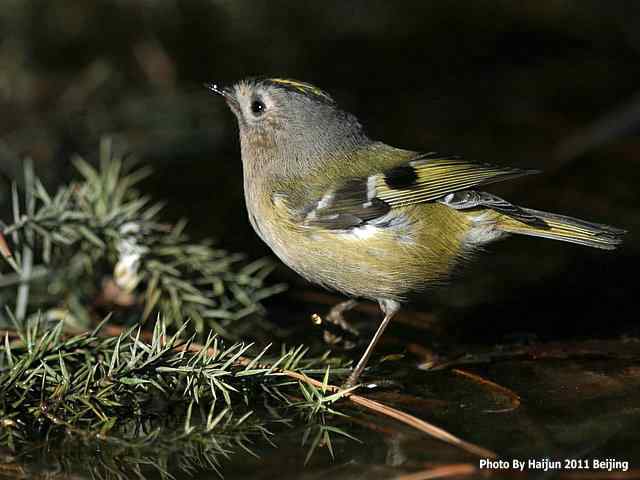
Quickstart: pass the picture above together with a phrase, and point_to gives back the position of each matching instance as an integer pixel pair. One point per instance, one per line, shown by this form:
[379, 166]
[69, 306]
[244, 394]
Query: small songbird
[364, 218]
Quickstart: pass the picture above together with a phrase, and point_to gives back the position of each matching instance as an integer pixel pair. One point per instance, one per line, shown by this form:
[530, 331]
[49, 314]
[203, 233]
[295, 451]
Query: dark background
[543, 84]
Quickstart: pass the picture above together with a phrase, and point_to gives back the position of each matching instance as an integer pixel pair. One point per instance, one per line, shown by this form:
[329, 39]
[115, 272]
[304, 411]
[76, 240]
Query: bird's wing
[425, 178]
[471, 199]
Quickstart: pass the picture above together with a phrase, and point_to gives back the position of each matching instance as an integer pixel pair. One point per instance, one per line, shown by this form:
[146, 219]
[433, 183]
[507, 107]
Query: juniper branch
[67, 247]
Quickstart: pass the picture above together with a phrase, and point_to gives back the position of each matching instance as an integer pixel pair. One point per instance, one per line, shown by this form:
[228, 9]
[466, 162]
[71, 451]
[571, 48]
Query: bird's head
[288, 120]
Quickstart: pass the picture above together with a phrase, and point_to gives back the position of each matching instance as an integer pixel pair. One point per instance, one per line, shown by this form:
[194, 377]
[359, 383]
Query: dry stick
[4, 247]
[513, 397]
[401, 416]
[377, 407]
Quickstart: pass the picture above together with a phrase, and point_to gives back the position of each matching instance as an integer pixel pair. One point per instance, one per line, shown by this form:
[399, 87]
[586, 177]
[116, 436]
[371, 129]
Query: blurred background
[548, 84]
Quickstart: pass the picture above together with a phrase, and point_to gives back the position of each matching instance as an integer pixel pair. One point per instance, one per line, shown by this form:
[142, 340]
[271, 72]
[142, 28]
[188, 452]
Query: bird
[364, 218]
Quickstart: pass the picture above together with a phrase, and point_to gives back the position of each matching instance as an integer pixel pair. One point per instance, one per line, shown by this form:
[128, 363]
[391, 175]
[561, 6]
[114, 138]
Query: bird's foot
[349, 383]
[338, 332]
[372, 384]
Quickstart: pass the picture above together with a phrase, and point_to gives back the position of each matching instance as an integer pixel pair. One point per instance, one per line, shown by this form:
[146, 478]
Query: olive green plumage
[365, 218]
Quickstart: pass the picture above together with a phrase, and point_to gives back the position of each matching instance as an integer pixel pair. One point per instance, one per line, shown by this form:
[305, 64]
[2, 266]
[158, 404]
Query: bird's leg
[336, 317]
[389, 308]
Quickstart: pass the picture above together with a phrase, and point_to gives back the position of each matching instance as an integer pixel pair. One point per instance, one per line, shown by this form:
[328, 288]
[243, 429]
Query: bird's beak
[226, 93]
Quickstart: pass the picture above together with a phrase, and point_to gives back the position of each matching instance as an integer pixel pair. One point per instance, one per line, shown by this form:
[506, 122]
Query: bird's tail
[567, 229]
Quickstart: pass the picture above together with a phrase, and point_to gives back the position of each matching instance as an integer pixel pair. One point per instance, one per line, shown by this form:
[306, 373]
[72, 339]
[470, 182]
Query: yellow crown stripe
[300, 86]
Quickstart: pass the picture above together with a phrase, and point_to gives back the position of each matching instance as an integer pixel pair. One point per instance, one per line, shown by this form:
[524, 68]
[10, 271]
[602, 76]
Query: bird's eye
[257, 107]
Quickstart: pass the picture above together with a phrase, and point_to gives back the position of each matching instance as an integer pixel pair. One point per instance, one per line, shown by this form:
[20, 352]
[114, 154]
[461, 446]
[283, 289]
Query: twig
[9, 333]
[513, 397]
[22, 296]
[4, 247]
[421, 425]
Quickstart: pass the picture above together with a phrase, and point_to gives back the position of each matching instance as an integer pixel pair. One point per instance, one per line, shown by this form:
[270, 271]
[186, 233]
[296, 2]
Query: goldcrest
[364, 218]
